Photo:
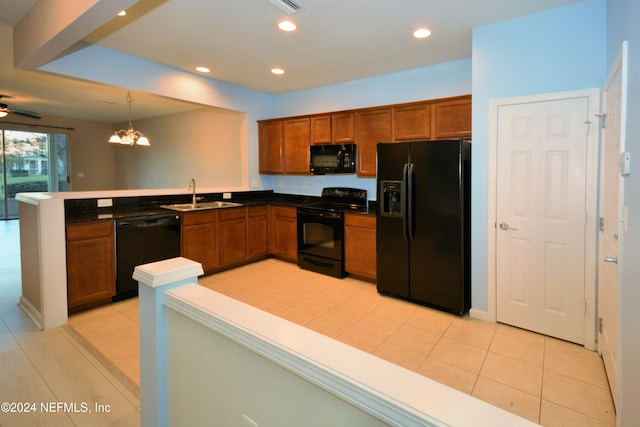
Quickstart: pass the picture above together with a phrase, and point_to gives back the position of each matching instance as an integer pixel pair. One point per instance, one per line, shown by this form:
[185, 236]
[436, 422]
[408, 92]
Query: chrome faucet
[192, 187]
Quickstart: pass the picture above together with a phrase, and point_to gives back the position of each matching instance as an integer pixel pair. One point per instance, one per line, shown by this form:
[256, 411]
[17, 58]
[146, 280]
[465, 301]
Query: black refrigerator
[424, 222]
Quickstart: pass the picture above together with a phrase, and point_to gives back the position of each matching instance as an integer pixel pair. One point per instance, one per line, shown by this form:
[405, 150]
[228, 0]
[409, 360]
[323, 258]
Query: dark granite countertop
[86, 210]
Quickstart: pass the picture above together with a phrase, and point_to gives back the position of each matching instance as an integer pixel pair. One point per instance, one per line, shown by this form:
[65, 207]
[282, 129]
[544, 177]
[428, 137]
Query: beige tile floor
[50, 368]
[546, 380]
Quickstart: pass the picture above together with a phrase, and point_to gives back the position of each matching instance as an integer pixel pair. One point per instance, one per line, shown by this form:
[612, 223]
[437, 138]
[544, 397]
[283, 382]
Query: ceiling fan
[6, 110]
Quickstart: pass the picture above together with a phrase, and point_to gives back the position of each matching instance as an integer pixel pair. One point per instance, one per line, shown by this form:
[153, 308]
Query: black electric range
[321, 229]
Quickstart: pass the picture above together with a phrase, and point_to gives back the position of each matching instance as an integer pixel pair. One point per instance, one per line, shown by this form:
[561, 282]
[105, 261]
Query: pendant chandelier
[129, 136]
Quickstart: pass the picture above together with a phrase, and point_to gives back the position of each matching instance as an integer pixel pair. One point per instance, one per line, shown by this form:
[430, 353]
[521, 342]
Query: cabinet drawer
[360, 220]
[90, 230]
[195, 218]
[258, 210]
[230, 214]
[285, 211]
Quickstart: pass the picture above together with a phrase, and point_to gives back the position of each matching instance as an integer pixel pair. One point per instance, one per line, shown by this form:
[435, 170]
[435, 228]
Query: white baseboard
[31, 311]
[480, 315]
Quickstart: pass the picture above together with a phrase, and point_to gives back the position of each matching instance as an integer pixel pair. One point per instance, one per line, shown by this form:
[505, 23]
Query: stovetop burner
[341, 199]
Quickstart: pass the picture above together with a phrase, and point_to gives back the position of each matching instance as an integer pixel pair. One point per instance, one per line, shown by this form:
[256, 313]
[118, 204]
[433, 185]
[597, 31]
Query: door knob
[611, 259]
[505, 226]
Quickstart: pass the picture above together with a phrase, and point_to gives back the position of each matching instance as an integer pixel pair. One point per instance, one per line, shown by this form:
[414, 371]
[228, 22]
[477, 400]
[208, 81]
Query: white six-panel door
[541, 216]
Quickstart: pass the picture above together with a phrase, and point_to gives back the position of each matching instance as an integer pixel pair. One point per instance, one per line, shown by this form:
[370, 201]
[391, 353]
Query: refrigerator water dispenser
[391, 198]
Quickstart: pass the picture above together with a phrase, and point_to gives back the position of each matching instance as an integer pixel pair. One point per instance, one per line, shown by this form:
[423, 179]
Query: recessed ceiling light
[122, 13]
[277, 71]
[287, 26]
[421, 33]
[203, 69]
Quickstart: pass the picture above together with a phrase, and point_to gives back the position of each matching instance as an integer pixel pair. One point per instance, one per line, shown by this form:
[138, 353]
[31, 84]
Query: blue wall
[555, 51]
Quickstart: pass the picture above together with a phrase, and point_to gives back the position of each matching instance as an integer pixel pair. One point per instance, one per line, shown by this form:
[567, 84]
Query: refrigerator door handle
[403, 202]
[410, 227]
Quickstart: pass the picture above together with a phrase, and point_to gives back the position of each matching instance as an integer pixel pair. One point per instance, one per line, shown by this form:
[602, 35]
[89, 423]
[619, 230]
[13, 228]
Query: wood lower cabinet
[360, 245]
[257, 232]
[283, 232]
[199, 238]
[91, 277]
[223, 238]
[232, 236]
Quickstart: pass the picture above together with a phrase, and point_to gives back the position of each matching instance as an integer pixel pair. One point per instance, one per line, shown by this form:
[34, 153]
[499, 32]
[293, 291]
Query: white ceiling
[336, 40]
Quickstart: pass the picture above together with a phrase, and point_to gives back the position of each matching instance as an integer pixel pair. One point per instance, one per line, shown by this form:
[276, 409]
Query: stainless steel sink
[186, 207]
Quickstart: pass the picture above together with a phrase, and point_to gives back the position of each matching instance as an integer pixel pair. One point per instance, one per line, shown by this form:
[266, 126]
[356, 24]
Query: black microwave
[332, 158]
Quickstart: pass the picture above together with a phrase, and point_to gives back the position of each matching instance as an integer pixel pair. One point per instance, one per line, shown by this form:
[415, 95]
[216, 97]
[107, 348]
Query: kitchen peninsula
[43, 248]
[53, 270]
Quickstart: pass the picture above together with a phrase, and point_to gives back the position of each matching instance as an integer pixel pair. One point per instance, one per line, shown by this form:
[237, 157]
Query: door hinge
[603, 120]
[600, 324]
[601, 223]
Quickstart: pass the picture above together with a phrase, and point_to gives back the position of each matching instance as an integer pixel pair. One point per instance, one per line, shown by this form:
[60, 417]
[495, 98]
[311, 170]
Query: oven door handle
[329, 215]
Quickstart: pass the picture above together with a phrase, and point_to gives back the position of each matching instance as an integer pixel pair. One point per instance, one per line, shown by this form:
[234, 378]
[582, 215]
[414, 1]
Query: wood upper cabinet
[343, 129]
[360, 245]
[297, 138]
[321, 129]
[412, 122]
[373, 126]
[271, 146]
[284, 143]
[336, 128]
[283, 146]
[232, 236]
[452, 119]
[91, 264]
[199, 238]
[257, 232]
[283, 232]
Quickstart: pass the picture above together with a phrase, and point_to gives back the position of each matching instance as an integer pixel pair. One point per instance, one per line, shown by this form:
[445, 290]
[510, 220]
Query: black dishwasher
[141, 240]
